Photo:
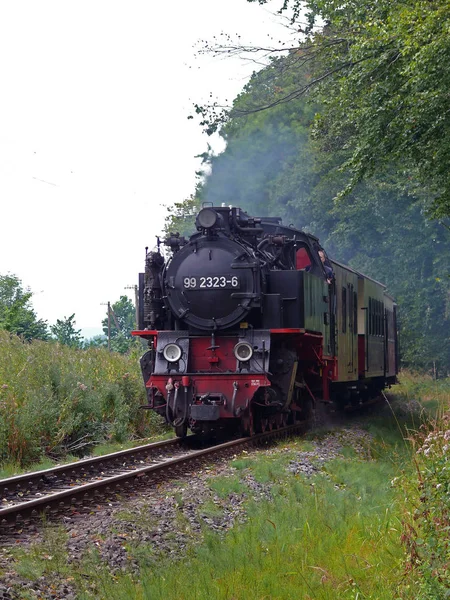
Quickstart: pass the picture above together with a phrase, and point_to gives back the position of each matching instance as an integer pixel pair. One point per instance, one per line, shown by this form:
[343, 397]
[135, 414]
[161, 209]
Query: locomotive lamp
[243, 351]
[207, 218]
[172, 353]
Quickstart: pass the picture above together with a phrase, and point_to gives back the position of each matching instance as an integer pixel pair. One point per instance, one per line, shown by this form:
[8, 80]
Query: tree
[98, 341]
[181, 216]
[65, 333]
[16, 313]
[122, 323]
[380, 70]
[386, 90]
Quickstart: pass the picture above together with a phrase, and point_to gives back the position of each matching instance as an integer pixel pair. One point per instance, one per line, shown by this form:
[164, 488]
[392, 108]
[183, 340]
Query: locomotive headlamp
[207, 218]
[172, 352]
[243, 351]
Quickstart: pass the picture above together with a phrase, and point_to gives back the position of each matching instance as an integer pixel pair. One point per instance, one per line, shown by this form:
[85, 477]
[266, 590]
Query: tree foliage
[16, 312]
[122, 323]
[97, 341]
[387, 90]
[181, 216]
[380, 71]
[64, 332]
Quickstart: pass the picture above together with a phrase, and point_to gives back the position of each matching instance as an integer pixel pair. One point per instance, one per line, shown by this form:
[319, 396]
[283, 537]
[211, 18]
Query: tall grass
[426, 534]
[432, 396]
[55, 399]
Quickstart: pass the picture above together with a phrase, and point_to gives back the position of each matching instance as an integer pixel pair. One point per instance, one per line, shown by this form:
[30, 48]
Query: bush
[55, 399]
[427, 520]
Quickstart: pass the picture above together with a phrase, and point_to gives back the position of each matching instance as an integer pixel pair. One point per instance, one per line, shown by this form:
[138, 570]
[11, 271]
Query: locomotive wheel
[181, 430]
[247, 423]
[278, 420]
[307, 413]
[264, 424]
[257, 423]
[294, 417]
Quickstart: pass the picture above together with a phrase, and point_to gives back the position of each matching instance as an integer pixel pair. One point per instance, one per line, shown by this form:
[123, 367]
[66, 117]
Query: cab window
[302, 259]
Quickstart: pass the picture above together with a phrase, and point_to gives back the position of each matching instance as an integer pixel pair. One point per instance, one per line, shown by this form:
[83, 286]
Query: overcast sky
[94, 135]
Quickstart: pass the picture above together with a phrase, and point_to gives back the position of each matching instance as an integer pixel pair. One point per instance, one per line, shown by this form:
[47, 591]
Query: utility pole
[116, 322]
[136, 301]
[108, 304]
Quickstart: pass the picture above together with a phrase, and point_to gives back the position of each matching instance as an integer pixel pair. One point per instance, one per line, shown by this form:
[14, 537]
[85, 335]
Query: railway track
[67, 487]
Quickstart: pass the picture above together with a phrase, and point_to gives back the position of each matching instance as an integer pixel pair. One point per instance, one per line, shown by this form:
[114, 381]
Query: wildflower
[82, 386]
[5, 386]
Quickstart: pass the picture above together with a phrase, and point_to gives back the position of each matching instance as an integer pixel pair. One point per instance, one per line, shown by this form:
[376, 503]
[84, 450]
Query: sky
[95, 142]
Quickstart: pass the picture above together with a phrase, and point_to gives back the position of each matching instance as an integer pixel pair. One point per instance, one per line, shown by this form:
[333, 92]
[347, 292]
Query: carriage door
[333, 320]
[352, 324]
[386, 345]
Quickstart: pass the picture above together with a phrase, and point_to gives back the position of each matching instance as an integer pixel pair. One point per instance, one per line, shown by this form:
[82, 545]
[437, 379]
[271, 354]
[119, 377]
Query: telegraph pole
[112, 314]
[108, 304]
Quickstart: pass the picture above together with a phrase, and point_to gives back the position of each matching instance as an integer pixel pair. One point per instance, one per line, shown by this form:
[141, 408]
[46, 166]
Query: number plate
[214, 282]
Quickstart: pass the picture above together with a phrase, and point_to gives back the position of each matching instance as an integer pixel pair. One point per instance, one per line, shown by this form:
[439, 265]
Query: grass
[57, 401]
[427, 512]
[11, 469]
[326, 538]
[369, 525]
[224, 486]
[433, 396]
[334, 535]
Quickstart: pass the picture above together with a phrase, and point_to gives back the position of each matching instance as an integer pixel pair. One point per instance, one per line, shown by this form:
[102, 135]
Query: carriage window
[374, 318]
[344, 310]
[377, 317]
[350, 310]
[380, 319]
[355, 312]
[302, 259]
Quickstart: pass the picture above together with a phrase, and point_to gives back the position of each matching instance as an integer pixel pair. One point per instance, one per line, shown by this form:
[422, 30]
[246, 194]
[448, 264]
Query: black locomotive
[250, 323]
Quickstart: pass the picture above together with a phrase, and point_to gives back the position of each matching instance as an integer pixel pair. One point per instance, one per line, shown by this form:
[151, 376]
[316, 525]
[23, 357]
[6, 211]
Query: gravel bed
[164, 520]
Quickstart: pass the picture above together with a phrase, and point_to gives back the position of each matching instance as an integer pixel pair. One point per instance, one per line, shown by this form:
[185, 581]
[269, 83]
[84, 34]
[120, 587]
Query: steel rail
[81, 466]
[72, 495]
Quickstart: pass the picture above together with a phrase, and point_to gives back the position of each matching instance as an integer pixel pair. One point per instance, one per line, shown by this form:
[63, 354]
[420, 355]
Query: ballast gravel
[162, 521]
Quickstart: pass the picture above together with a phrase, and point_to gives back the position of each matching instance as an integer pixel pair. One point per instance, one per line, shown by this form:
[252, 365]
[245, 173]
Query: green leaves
[392, 86]
[122, 323]
[65, 333]
[16, 313]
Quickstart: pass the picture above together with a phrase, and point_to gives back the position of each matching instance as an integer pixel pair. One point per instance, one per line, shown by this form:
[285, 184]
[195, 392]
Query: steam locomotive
[250, 325]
